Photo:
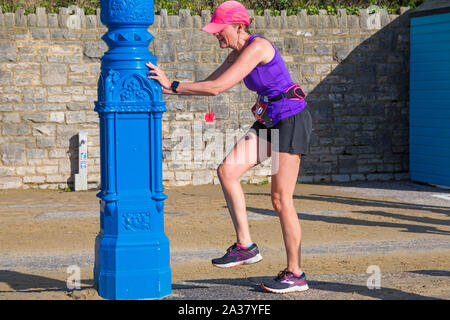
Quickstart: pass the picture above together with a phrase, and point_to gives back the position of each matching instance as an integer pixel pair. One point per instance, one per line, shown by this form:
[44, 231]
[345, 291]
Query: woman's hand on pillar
[160, 76]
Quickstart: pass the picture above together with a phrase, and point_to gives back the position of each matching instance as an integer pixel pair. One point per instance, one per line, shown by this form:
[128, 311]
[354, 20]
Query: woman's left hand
[160, 76]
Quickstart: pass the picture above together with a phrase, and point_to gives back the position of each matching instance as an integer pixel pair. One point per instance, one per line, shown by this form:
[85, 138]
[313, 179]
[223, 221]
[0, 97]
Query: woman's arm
[217, 83]
[221, 69]
[238, 70]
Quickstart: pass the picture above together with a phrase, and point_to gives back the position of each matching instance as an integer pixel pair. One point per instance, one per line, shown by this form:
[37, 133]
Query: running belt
[294, 92]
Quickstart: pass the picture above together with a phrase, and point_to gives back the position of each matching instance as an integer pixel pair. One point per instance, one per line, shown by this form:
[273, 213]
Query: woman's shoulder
[265, 46]
[260, 41]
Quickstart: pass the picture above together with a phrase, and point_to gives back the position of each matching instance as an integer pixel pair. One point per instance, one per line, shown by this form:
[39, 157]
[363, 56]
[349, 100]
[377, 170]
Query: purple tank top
[270, 80]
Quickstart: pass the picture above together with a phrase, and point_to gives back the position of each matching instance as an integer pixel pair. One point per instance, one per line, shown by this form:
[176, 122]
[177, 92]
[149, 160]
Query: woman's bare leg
[282, 190]
[245, 155]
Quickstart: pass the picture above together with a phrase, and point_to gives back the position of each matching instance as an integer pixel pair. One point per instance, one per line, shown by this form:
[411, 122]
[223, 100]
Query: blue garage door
[430, 99]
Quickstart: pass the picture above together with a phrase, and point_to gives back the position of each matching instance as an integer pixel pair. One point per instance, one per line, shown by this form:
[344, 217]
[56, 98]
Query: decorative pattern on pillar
[131, 250]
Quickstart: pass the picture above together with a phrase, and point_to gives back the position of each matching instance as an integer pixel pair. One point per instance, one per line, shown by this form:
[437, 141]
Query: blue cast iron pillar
[131, 250]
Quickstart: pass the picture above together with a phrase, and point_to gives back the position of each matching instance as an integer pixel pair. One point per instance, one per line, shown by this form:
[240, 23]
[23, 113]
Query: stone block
[23, 107]
[41, 17]
[168, 175]
[384, 17]
[292, 22]
[323, 50]
[321, 178]
[5, 77]
[52, 20]
[7, 51]
[293, 46]
[260, 22]
[23, 170]
[9, 19]
[206, 16]
[43, 130]
[63, 34]
[21, 19]
[53, 178]
[94, 49]
[11, 118]
[323, 19]
[47, 169]
[219, 106]
[370, 21]
[33, 95]
[38, 117]
[75, 117]
[340, 52]
[59, 98]
[185, 18]
[183, 175]
[76, 80]
[15, 130]
[188, 57]
[57, 153]
[45, 142]
[303, 19]
[54, 74]
[284, 20]
[202, 177]
[10, 182]
[198, 106]
[12, 154]
[73, 22]
[340, 177]
[353, 22]
[91, 21]
[40, 34]
[31, 20]
[380, 177]
[64, 134]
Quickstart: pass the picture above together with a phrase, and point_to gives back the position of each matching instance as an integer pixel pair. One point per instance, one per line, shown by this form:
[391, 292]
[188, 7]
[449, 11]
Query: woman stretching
[282, 128]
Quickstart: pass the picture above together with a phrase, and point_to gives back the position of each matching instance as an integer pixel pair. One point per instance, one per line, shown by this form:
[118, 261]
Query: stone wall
[355, 70]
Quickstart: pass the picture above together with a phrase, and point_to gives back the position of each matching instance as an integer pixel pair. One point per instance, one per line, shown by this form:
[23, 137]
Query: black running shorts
[293, 133]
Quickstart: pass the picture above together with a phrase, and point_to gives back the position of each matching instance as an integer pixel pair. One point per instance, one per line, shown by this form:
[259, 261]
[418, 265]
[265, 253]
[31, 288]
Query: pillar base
[132, 267]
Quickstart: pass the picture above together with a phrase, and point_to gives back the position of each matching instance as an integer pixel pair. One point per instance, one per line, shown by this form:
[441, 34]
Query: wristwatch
[174, 86]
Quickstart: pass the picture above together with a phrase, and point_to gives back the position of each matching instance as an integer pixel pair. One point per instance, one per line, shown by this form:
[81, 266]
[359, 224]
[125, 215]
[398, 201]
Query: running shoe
[237, 255]
[286, 282]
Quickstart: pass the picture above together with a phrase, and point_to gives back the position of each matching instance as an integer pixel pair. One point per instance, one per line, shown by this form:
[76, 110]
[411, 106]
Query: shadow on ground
[208, 288]
[404, 227]
[427, 228]
[368, 203]
[318, 289]
[23, 282]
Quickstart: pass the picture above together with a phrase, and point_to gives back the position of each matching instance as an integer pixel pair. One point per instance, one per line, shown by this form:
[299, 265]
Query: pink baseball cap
[227, 13]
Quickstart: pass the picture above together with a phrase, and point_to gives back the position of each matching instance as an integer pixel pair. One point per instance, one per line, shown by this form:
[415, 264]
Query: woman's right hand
[160, 76]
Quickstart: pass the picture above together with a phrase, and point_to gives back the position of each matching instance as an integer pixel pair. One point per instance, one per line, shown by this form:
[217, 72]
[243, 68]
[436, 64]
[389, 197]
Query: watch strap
[174, 86]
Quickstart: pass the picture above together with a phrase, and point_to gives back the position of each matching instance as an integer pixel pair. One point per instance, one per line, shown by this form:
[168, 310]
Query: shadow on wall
[73, 157]
[360, 109]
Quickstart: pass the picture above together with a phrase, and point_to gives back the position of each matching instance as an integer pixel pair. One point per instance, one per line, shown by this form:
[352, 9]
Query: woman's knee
[281, 202]
[226, 172]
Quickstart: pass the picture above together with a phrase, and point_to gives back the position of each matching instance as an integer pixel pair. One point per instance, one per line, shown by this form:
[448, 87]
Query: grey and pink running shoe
[286, 282]
[237, 255]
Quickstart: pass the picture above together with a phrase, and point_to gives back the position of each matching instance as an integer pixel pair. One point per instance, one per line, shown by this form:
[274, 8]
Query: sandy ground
[401, 227]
